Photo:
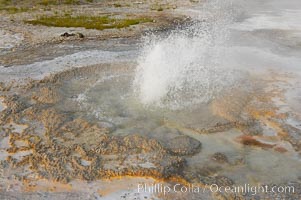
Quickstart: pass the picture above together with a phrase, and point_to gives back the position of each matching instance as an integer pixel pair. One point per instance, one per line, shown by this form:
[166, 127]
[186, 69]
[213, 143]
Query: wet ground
[72, 125]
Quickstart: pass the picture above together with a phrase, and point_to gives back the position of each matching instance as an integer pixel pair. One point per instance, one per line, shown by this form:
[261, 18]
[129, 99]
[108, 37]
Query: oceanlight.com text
[214, 188]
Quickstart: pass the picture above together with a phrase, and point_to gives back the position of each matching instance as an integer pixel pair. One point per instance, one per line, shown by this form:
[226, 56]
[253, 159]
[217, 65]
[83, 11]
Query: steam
[185, 68]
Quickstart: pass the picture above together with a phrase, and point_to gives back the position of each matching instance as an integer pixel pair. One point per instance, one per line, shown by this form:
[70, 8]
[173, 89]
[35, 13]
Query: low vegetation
[13, 10]
[8, 6]
[58, 2]
[42, 2]
[161, 7]
[16, 6]
[88, 22]
[117, 5]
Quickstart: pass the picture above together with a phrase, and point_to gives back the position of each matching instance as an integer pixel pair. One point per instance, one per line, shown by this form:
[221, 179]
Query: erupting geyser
[186, 68]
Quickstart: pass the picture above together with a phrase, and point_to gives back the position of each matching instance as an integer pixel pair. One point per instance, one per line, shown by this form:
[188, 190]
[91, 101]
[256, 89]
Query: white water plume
[185, 68]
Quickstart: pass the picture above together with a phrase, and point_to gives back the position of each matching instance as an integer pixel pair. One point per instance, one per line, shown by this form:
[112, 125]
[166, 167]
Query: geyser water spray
[185, 68]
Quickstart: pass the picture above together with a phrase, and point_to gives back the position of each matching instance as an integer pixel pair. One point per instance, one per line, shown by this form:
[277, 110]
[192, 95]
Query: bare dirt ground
[27, 36]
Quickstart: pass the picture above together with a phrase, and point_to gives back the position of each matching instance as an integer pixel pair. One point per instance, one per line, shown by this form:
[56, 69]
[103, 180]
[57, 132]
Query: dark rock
[175, 141]
[66, 34]
[219, 157]
[184, 145]
[80, 35]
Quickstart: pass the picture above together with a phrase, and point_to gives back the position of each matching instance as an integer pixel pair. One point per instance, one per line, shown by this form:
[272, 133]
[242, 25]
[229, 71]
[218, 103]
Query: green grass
[13, 10]
[58, 2]
[160, 9]
[30, 3]
[5, 2]
[117, 5]
[88, 22]
[17, 6]
[9, 6]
